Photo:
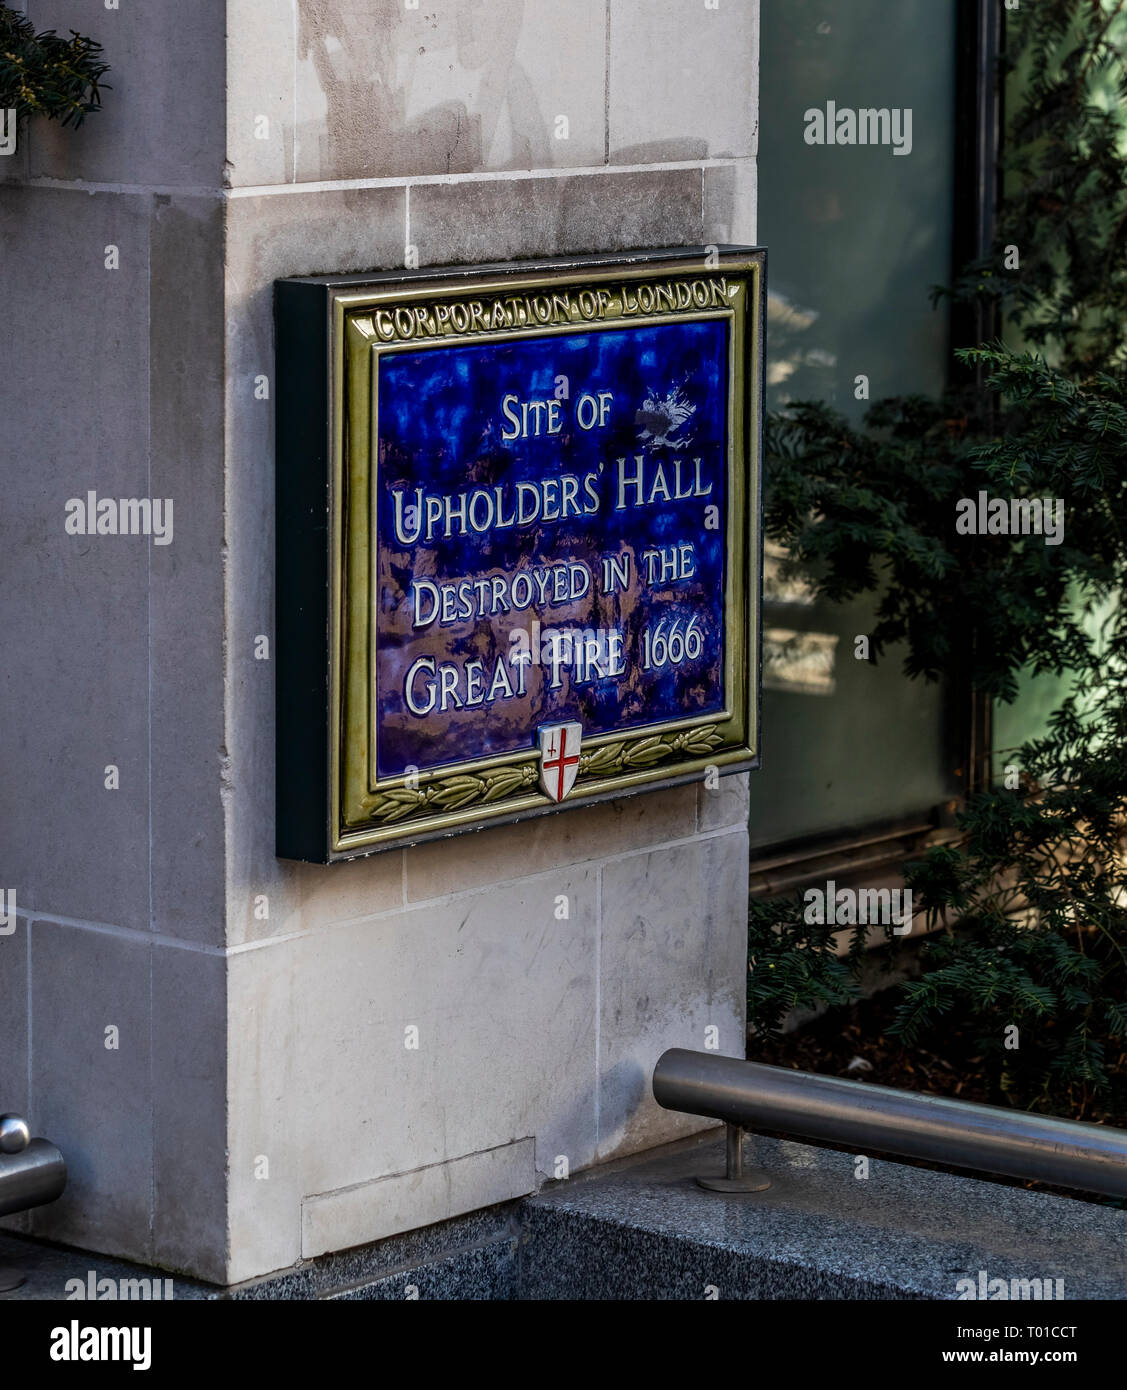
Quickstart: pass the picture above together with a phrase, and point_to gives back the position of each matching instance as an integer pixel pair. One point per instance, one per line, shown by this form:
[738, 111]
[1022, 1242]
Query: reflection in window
[799, 662]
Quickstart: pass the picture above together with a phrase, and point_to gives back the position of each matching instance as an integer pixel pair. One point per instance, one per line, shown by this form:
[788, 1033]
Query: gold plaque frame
[367, 319]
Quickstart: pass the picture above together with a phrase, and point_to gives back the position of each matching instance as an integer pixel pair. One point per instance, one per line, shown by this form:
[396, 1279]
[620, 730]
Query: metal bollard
[736, 1178]
[32, 1171]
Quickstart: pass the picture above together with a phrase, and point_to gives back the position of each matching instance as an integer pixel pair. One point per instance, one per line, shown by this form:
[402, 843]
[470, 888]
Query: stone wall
[112, 358]
[262, 1105]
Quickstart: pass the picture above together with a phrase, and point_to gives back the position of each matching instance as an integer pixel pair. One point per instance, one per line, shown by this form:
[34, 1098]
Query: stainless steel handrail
[1066, 1153]
[32, 1171]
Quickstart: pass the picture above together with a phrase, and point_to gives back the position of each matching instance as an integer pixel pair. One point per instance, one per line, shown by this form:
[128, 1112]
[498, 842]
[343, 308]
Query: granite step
[644, 1230]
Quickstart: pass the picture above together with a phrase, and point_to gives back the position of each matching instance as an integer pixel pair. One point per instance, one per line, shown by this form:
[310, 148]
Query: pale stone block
[534, 846]
[91, 1099]
[271, 237]
[731, 203]
[615, 211]
[189, 1100]
[674, 968]
[406, 1201]
[163, 121]
[726, 804]
[186, 354]
[324, 1083]
[501, 992]
[384, 91]
[683, 80]
[259, 103]
[331, 893]
[268, 1134]
[74, 608]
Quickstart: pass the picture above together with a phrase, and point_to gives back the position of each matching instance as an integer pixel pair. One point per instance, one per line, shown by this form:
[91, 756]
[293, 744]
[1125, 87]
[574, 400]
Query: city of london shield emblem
[559, 758]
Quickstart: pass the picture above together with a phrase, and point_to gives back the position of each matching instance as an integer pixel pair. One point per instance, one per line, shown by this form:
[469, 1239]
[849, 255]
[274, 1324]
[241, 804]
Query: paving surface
[50, 1271]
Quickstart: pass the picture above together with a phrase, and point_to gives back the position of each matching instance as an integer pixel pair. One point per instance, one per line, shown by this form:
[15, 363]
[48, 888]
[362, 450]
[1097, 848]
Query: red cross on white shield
[559, 758]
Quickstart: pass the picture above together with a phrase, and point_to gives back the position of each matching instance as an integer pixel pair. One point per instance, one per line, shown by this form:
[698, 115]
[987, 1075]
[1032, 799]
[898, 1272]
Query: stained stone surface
[492, 220]
[383, 88]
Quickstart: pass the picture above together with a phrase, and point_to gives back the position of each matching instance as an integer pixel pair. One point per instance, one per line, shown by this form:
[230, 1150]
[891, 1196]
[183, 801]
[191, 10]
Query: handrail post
[736, 1178]
[734, 1150]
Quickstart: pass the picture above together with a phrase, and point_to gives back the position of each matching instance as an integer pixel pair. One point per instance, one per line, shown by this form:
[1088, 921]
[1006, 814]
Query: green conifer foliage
[46, 75]
[1031, 899]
